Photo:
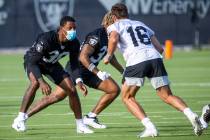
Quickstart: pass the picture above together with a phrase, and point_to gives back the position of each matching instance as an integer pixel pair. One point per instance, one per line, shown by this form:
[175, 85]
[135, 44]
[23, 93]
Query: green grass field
[189, 73]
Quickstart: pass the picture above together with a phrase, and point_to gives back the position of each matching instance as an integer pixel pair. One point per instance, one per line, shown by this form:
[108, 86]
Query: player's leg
[160, 82]
[62, 79]
[205, 117]
[111, 91]
[56, 96]
[75, 105]
[166, 95]
[128, 97]
[19, 121]
[28, 98]
[74, 101]
[134, 78]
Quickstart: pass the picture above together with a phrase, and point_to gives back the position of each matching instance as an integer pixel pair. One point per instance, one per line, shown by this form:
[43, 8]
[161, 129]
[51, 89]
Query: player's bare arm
[82, 88]
[157, 44]
[85, 54]
[112, 45]
[74, 64]
[116, 64]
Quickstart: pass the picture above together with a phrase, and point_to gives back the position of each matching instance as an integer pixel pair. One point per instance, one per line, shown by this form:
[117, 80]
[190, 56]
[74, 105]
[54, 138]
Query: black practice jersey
[98, 39]
[47, 50]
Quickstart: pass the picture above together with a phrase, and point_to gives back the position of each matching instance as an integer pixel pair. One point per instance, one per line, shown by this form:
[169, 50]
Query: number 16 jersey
[134, 41]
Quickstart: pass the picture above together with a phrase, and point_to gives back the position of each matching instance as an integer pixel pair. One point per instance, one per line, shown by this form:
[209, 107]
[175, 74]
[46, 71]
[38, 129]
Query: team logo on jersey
[49, 12]
[93, 41]
[39, 47]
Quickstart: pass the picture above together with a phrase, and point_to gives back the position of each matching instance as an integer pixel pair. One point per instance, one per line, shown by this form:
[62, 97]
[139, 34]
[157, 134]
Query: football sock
[79, 122]
[21, 115]
[91, 114]
[26, 116]
[188, 112]
[147, 123]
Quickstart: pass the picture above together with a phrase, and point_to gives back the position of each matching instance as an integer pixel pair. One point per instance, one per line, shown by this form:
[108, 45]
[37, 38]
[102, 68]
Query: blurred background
[185, 22]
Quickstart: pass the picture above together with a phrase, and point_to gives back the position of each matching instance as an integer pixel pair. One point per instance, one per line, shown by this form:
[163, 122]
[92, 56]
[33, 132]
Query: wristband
[78, 80]
[91, 67]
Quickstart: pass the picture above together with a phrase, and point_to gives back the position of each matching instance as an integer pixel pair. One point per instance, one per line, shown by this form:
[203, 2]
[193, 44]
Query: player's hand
[106, 61]
[46, 89]
[107, 58]
[83, 88]
[103, 75]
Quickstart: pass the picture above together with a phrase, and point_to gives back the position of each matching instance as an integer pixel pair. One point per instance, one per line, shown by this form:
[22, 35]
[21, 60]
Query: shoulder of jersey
[48, 35]
[95, 32]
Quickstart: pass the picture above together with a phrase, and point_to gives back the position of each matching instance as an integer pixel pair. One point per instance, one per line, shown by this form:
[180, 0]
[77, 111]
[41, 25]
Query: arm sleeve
[35, 57]
[74, 60]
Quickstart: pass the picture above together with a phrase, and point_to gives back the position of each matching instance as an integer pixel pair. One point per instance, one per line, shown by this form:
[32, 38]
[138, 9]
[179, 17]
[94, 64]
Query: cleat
[197, 127]
[148, 132]
[205, 117]
[19, 125]
[83, 129]
[93, 122]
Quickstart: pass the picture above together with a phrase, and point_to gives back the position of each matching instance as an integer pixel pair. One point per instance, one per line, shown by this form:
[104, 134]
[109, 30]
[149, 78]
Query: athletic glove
[103, 75]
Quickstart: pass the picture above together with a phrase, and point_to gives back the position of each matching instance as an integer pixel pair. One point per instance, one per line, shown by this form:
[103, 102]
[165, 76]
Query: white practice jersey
[134, 41]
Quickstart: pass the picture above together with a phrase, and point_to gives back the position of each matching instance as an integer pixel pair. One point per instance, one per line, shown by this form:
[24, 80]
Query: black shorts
[54, 72]
[151, 68]
[89, 78]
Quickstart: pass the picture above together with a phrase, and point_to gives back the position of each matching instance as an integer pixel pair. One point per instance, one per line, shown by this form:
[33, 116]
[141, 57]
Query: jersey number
[141, 33]
[55, 56]
[100, 55]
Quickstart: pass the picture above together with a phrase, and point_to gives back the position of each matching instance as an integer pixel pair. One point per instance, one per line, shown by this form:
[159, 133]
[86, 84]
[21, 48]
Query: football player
[42, 59]
[141, 51]
[92, 52]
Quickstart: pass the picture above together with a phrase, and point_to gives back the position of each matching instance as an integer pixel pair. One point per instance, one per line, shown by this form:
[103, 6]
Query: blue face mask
[71, 35]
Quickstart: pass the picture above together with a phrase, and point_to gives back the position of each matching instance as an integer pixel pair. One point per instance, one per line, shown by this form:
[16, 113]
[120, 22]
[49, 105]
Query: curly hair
[107, 20]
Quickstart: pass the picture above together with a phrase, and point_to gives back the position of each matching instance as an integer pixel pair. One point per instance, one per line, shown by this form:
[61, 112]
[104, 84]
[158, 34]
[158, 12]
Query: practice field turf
[189, 73]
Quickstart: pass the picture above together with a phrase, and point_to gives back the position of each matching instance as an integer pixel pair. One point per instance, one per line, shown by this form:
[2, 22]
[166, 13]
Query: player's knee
[116, 91]
[166, 98]
[125, 97]
[58, 98]
[72, 91]
[164, 93]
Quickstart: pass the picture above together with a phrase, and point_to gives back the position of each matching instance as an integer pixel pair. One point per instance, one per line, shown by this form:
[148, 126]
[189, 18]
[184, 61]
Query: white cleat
[148, 132]
[93, 122]
[197, 127]
[19, 125]
[83, 129]
[205, 117]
